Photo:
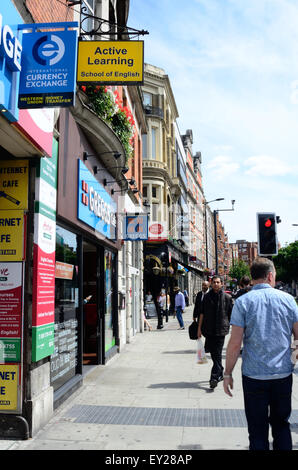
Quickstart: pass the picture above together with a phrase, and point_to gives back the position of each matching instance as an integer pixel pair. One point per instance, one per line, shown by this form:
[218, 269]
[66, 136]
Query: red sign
[10, 300]
[156, 229]
[43, 305]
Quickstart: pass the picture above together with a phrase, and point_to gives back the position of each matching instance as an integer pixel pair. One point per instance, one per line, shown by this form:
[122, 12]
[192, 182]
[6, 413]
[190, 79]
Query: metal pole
[215, 240]
[206, 235]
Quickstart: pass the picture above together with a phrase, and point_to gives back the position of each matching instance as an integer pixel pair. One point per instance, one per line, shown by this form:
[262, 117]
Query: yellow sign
[14, 184]
[8, 387]
[111, 62]
[11, 235]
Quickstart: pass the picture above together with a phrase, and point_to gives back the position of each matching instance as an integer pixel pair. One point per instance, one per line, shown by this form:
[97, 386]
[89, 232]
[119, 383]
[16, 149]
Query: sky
[233, 68]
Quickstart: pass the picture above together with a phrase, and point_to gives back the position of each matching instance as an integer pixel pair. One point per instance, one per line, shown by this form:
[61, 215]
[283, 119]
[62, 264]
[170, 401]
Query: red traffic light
[268, 223]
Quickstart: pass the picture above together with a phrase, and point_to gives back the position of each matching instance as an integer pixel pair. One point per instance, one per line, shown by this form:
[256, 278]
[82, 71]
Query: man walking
[265, 318]
[214, 324]
[199, 300]
[179, 306]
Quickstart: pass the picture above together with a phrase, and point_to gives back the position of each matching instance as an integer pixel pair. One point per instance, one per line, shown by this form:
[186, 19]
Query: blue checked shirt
[267, 316]
[180, 300]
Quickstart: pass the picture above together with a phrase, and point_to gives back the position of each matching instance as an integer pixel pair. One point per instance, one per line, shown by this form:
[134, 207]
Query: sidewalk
[151, 396]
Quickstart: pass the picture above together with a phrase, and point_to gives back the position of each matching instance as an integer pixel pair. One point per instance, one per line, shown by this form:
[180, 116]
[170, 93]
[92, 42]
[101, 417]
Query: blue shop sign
[96, 208]
[10, 60]
[48, 75]
[135, 227]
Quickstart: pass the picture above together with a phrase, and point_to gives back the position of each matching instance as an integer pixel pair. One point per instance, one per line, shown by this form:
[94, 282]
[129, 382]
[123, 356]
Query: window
[147, 99]
[153, 142]
[65, 358]
[145, 192]
[144, 145]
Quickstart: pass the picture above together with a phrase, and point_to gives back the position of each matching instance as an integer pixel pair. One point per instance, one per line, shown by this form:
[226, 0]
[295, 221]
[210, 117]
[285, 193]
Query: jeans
[214, 345]
[179, 316]
[268, 402]
[159, 317]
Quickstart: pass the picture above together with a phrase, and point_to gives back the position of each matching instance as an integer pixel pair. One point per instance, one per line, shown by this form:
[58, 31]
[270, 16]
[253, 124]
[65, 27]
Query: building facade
[164, 251]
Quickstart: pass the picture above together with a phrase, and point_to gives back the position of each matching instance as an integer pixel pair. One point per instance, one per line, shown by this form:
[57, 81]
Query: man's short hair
[216, 276]
[261, 267]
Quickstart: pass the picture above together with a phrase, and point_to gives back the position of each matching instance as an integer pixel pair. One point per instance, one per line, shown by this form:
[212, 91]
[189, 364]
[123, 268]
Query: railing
[153, 111]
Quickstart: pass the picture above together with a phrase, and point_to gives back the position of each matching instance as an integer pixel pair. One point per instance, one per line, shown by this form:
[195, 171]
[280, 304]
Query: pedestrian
[265, 319]
[185, 293]
[214, 325]
[199, 300]
[159, 311]
[146, 323]
[244, 287]
[179, 306]
[164, 302]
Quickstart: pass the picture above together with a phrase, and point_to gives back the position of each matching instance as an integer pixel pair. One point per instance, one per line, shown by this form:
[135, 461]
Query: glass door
[91, 305]
[110, 313]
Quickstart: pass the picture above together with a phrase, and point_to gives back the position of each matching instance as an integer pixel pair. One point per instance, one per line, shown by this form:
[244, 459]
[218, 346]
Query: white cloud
[265, 165]
[222, 167]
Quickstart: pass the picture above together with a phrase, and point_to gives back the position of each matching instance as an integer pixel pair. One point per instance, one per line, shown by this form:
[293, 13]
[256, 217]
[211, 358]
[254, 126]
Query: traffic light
[267, 237]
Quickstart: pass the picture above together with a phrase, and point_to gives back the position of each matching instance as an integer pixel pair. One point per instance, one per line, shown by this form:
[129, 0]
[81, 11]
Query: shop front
[86, 303]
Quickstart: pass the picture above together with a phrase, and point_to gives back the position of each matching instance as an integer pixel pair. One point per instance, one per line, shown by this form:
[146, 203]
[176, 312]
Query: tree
[286, 263]
[238, 270]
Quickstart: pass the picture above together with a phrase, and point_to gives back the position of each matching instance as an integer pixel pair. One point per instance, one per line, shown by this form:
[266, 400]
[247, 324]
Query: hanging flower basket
[108, 106]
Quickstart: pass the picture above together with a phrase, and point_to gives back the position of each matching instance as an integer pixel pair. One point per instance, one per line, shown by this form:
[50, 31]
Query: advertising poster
[44, 267]
[14, 184]
[11, 235]
[111, 62]
[48, 67]
[11, 311]
[9, 387]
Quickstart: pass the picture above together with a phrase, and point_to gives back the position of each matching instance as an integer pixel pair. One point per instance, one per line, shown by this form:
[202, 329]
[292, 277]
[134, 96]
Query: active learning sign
[111, 62]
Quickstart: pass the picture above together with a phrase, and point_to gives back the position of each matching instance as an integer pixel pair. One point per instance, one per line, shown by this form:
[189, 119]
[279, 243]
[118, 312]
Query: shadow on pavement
[184, 385]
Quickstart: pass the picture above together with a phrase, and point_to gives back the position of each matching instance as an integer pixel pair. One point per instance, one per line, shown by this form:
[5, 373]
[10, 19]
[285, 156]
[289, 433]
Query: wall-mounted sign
[48, 66]
[95, 206]
[43, 292]
[158, 231]
[14, 184]
[135, 227]
[10, 60]
[111, 62]
[11, 310]
[11, 235]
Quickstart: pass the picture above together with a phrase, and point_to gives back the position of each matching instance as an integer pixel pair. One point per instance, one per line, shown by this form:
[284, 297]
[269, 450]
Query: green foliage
[108, 106]
[286, 263]
[238, 270]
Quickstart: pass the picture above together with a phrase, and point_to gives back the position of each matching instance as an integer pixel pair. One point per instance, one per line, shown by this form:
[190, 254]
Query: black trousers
[268, 402]
[214, 345]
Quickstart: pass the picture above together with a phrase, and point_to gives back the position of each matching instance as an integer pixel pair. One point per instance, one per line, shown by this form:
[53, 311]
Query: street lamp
[205, 213]
[215, 232]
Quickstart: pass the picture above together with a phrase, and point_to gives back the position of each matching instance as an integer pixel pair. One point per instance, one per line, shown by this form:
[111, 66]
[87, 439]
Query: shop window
[65, 357]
